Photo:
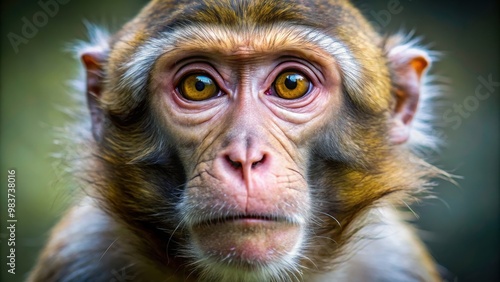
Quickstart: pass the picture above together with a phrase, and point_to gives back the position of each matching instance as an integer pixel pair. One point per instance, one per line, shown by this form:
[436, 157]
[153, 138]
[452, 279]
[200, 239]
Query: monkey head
[252, 140]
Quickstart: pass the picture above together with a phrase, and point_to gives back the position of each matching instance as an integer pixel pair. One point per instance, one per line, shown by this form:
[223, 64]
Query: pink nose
[244, 159]
[247, 174]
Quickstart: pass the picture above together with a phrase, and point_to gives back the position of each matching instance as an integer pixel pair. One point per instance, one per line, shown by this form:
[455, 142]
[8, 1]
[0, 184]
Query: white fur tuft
[98, 41]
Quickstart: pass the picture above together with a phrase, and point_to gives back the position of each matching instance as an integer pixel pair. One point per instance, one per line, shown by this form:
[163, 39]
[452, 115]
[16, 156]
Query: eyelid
[311, 70]
[298, 67]
[183, 74]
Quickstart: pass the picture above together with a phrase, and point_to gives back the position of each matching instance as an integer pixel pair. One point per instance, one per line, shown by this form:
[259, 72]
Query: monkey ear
[408, 65]
[93, 62]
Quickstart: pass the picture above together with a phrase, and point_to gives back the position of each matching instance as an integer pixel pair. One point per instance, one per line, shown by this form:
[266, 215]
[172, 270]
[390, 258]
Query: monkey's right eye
[198, 87]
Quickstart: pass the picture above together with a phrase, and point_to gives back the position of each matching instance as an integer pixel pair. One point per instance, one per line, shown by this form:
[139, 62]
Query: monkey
[266, 140]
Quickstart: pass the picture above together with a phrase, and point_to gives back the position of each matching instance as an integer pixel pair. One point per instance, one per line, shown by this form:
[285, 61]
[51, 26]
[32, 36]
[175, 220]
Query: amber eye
[198, 87]
[291, 85]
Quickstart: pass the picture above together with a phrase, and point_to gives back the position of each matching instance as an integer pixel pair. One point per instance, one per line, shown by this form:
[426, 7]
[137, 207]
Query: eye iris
[291, 85]
[198, 87]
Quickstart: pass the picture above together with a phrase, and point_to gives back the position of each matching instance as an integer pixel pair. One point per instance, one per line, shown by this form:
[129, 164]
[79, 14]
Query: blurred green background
[461, 228]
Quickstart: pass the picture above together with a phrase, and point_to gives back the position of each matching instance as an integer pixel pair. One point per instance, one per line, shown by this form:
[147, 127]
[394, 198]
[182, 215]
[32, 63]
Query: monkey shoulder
[84, 246]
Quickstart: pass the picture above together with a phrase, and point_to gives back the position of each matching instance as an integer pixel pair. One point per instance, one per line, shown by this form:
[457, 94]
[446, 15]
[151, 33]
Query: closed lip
[245, 218]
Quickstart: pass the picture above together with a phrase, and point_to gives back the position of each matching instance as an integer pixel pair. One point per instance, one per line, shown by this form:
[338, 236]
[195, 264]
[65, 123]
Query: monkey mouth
[247, 239]
[245, 218]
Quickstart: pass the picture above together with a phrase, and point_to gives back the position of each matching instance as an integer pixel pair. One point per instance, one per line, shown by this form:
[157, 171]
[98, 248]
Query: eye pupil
[291, 82]
[199, 85]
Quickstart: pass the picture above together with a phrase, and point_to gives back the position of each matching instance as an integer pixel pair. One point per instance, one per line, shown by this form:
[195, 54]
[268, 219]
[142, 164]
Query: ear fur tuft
[423, 134]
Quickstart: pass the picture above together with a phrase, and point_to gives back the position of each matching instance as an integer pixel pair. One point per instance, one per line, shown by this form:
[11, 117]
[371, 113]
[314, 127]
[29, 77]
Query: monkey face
[243, 116]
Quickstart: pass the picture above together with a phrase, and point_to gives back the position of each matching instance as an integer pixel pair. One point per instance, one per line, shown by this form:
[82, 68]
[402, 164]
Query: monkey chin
[248, 244]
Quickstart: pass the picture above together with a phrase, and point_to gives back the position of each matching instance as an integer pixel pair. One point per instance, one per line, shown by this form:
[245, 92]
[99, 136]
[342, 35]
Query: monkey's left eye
[198, 87]
[291, 85]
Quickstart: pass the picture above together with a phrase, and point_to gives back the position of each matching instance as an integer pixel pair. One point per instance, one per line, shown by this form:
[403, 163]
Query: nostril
[259, 162]
[234, 164]
[237, 164]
